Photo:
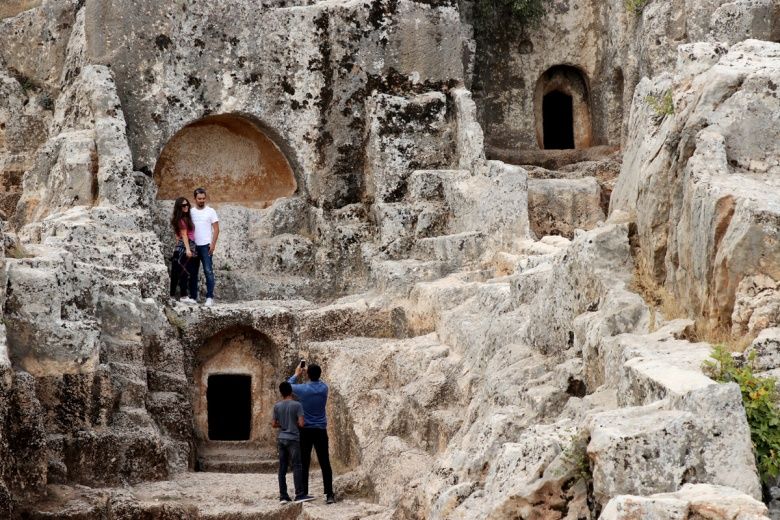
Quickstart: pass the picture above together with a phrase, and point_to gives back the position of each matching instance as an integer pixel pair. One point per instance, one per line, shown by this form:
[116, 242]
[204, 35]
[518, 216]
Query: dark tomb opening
[229, 399]
[557, 114]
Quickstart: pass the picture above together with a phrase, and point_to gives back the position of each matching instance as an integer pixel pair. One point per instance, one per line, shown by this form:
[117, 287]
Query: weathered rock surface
[474, 372]
[703, 196]
[559, 207]
[692, 501]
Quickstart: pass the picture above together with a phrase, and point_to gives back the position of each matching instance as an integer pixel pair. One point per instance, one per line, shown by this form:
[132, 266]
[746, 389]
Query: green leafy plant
[497, 13]
[636, 6]
[759, 397]
[661, 105]
[575, 454]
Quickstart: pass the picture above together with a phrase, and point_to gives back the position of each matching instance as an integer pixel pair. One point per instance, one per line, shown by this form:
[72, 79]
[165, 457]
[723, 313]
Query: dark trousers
[318, 439]
[183, 269]
[208, 270]
[290, 454]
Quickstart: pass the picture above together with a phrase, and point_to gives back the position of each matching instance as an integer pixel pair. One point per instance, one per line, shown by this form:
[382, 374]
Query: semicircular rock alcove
[230, 156]
[562, 109]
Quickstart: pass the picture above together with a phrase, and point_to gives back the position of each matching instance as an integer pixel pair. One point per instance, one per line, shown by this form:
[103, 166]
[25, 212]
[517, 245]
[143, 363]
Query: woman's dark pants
[182, 270]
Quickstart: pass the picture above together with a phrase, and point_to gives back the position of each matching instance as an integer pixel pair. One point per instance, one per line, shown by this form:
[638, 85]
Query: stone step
[397, 277]
[236, 457]
[429, 184]
[400, 223]
[547, 245]
[247, 285]
[354, 316]
[131, 417]
[457, 250]
[238, 465]
[485, 320]
[527, 284]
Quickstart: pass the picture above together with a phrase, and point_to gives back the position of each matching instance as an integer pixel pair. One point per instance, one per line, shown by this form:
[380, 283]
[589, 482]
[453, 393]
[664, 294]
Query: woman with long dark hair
[182, 263]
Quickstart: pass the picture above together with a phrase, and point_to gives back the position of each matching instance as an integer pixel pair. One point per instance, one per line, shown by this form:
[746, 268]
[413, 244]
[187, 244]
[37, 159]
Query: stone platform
[212, 496]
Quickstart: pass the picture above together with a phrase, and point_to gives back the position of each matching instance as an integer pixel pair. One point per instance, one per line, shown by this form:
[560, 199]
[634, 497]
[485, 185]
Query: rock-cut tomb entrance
[235, 379]
[562, 109]
[230, 155]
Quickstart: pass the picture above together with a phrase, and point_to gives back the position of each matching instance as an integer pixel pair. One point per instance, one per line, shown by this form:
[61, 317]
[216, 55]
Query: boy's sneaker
[285, 500]
[330, 499]
[188, 300]
[209, 302]
[304, 498]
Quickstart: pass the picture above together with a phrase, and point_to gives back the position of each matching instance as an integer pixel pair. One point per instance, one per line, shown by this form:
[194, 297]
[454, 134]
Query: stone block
[560, 206]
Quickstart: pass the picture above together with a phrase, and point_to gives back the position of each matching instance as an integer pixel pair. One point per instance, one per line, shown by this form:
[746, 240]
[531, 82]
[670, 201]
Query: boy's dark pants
[317, 438]
[290, 453]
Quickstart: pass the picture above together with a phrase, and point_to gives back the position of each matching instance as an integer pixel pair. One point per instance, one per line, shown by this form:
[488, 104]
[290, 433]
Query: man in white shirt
[206, 234]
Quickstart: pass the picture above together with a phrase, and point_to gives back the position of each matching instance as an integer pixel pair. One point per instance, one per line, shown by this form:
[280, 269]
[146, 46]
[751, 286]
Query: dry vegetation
[662, 300]
[18, 251]
[715, 333]
[659, 298]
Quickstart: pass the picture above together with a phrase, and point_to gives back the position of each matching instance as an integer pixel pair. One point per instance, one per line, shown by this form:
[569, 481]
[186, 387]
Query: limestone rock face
[703, 195]
[309, 92]
[578, 284]
[476, 371]
[692, 501]
[406, 135]
[765, 350]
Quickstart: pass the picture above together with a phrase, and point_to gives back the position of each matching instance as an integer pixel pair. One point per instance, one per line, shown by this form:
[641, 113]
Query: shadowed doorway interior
[562, 109]
[558, 121]
[229, 399]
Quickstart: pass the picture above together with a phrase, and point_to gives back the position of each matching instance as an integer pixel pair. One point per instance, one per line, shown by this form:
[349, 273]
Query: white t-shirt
[203, 219]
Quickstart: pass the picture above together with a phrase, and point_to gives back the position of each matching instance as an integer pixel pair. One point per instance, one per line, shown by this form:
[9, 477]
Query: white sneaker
[188, 300]
[209, 302]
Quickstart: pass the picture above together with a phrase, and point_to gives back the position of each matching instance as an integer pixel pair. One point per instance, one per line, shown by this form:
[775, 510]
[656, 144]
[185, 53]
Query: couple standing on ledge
[302, 426]
[196, 229]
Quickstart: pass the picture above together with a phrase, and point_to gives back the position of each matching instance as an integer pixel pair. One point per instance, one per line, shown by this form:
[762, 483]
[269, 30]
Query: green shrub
[636, 6]
[575, 455]
[759, 397]
[501, 13]
[661, 105]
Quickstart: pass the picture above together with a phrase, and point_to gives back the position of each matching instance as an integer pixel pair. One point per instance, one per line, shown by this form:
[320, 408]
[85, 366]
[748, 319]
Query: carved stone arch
[232, 156]
[562, 109]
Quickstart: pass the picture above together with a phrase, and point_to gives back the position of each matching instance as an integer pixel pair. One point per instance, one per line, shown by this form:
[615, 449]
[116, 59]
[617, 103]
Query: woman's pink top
[190, 232]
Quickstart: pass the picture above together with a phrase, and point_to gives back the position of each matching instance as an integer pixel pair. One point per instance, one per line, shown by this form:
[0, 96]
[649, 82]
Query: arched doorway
[231, 156]
[236, 376]
[562, 109]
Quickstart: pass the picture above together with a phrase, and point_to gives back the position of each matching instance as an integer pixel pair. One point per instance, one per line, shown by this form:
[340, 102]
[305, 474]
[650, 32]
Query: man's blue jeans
[290, 454]
[208, 269]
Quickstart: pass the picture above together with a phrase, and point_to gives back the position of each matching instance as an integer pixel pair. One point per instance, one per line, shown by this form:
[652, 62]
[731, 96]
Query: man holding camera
[313, 396]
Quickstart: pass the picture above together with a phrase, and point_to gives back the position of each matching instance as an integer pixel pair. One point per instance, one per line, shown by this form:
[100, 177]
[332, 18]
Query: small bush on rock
[759, 397]
[636, 6]
[662, 105]
[575, 454]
